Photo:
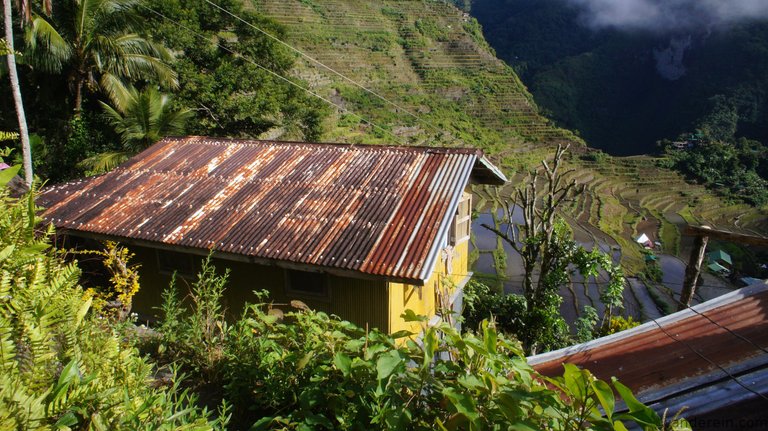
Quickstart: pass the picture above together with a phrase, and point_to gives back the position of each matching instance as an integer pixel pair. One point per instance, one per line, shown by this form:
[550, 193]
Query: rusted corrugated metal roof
[373, 209]
[717, 347]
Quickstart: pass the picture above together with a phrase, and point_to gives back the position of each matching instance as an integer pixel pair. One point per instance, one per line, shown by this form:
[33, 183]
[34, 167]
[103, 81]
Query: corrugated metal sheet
[373, 209]
[685, 357]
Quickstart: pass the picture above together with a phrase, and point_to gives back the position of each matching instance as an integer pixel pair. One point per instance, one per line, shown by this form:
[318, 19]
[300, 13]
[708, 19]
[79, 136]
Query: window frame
[165, 269]
[299, 293]
[456, 237]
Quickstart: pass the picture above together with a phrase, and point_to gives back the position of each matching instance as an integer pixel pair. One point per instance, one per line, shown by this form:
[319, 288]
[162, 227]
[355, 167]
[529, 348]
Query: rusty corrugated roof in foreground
[378, 210]
[703, 357]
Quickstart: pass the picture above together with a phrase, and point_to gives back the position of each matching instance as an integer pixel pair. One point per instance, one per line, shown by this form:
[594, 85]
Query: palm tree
[141, 119]
[100, 44]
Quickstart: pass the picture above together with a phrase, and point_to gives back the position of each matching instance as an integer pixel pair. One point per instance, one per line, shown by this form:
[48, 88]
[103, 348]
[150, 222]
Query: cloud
[669, 15]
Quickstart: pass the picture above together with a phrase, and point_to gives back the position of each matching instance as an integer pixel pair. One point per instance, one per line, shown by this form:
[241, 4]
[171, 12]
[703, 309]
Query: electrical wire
[711, 362]
[325, 66]
[275, 74]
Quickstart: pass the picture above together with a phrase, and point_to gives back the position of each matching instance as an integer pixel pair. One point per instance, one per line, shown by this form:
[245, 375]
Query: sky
[664, 16]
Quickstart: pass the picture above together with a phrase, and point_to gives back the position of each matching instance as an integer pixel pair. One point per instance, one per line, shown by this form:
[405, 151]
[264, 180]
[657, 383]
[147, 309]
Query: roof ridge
[254, 141]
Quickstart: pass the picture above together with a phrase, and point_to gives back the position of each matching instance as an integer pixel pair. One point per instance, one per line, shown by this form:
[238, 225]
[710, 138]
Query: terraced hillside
[433, 80]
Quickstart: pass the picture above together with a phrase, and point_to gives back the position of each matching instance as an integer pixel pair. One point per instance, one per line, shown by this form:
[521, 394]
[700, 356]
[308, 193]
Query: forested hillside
[626, 88]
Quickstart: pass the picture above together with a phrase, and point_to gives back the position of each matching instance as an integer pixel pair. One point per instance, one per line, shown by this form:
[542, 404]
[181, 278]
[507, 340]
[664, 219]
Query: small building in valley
[362, 232]
[721, 258]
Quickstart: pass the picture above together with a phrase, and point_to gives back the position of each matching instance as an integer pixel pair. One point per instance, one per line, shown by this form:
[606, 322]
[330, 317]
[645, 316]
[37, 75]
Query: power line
[739, 336]
[323, 65]
[712, 363]
[275, 74]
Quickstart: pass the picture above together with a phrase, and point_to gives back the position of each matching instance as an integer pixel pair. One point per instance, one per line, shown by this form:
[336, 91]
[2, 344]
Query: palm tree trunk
[78, 95]
[23, 132]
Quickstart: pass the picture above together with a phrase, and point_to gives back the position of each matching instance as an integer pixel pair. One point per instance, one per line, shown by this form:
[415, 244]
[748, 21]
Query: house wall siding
[423, 300]
[362, 302]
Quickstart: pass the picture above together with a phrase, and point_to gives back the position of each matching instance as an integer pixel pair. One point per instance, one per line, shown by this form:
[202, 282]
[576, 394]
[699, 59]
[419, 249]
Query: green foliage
[80, 137]
[102, 44]
[736, 169]
[222, 75]
[482, 303]
[595, 156]
[606, 85]
[302, 370]
[653, 270]
[196, 341]
[79, 141]
[432, 29]
[60, 366]
[586, 325]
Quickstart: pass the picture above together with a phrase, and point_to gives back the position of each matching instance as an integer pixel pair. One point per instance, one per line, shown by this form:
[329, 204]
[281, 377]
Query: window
[462, 221]
[169, 262]
[304, 283]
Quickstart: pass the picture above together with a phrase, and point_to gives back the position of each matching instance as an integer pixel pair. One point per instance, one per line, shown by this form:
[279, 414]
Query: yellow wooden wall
[362, 302]
[422, 300]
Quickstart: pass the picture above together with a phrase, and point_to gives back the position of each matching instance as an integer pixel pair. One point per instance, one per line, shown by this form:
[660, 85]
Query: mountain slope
[429, 58]
[624, 90]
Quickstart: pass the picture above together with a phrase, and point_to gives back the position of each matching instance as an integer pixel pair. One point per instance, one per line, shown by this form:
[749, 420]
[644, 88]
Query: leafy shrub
[620, 323]
[653, 271]
[586, 324]
[114, 299]
[300, 369]
[481, 303]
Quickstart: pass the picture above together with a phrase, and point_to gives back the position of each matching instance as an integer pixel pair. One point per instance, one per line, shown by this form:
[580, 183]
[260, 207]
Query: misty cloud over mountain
[664, 16]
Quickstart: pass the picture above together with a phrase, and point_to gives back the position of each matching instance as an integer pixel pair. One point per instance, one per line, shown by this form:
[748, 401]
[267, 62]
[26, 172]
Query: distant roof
[378, 210]
[751, 280]
[720, 255]
[699, 357]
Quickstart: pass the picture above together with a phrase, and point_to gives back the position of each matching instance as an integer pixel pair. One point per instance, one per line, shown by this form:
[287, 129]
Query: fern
[60, 366]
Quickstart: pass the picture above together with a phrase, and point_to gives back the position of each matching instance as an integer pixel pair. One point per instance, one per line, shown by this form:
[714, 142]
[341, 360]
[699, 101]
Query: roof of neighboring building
[712, 357]
[377, 210]
[719, 255]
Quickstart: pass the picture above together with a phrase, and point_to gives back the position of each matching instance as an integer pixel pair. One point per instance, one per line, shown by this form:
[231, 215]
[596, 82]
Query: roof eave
[241, 257]
[431, 261]
[485, 172]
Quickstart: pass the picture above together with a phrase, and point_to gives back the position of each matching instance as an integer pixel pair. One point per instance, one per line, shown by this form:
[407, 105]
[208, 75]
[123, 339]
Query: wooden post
[692, 271]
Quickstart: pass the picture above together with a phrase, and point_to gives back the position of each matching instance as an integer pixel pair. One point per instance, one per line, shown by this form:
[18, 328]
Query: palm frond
[104, 162]
[119, 93]
[47, 49]
[145, 118]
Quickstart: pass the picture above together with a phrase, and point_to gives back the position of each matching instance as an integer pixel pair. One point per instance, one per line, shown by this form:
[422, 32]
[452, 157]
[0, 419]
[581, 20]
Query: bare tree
[533, 238]
[548, 252]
